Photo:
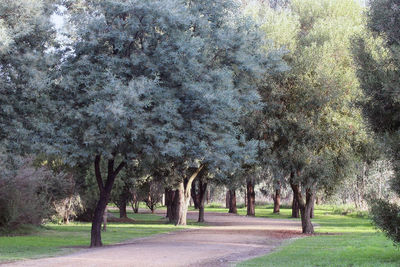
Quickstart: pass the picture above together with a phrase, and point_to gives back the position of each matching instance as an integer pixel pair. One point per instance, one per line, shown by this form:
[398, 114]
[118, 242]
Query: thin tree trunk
[184, 197]
[277, 200]
[195, 195]
[312, 210]
[295, 207]
[105, 192]
[122, 208]
[135, 206]
[245, 198]
[232, 201]
[202, 198]
[168, 202]
[227, 199]
[105, 220]
[208, 195]
[174, 206]
[135, 202]
[251, 199]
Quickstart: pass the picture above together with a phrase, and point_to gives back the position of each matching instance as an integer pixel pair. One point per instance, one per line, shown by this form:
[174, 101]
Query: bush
[386, 217]
[30, 195]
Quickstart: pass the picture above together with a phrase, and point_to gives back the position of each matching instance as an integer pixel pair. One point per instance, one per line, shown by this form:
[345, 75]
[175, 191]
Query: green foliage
[386, 216]
[310, 122]
[378, 64]
[31, 195]
[26, 34]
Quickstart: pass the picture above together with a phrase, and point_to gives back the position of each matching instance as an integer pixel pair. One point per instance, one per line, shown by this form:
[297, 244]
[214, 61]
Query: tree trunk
[135, 206]
[168, 201]
[105, 192]
[251, 199]
[227, 199]
[208, 195]
[305, 208]
[277, 200]
[295, 208]
[174, 206]
[135, 202]
[312, 209]
[232, 201]
[195, 195]
[122, 208]
[202, 198]
[95, 240]
[182, 207]
[184, 197]
[245, 198]
[105, 220]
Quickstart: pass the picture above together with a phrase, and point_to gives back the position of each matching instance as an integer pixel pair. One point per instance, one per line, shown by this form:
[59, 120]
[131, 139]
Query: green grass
[341, 240]
[53, 239]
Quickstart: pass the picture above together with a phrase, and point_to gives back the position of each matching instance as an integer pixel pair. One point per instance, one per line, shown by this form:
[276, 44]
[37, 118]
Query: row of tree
[178, 91]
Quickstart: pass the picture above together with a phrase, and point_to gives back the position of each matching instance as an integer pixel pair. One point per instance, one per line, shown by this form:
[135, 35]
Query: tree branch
[119, 168]
[98, 173]
[190, 181]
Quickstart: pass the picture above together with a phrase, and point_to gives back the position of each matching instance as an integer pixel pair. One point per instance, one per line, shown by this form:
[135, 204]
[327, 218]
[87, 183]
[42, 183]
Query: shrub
[386, 217]
[29, 195]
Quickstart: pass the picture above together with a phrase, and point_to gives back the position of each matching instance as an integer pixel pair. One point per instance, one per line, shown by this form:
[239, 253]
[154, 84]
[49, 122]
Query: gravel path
[228, 239]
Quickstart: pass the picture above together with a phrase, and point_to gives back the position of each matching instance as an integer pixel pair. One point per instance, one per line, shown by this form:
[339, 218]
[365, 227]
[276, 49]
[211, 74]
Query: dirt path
[228, 239]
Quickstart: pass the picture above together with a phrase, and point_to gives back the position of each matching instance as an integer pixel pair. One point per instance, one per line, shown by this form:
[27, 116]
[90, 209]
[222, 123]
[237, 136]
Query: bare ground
[228, 239]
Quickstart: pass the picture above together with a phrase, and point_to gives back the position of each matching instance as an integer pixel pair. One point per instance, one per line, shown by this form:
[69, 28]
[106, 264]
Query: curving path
[228, 239]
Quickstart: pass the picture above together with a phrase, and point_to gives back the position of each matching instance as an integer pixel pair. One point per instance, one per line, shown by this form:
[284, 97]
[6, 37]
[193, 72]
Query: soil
[228, 239]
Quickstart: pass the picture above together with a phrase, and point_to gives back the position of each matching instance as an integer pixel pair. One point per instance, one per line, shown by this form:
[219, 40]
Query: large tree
[313, 128]
[231, 66]
[377, 56]
[26, 38]
[115, 98]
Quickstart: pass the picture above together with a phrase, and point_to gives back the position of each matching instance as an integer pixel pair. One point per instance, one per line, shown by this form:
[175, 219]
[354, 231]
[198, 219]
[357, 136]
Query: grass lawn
[341, 240]
[53, 239]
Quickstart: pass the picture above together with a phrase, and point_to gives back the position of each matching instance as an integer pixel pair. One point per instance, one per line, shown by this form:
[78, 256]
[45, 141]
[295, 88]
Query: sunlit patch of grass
[352, 241]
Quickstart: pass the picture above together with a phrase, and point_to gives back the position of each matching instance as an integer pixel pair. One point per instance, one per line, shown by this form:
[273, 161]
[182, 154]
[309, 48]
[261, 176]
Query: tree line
[173, 95]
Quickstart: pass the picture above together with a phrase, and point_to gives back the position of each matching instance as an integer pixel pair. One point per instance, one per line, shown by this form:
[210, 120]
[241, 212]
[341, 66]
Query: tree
[314, 129]
[26, 36]
[377, 58]
[232, 65]
[115, 97]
